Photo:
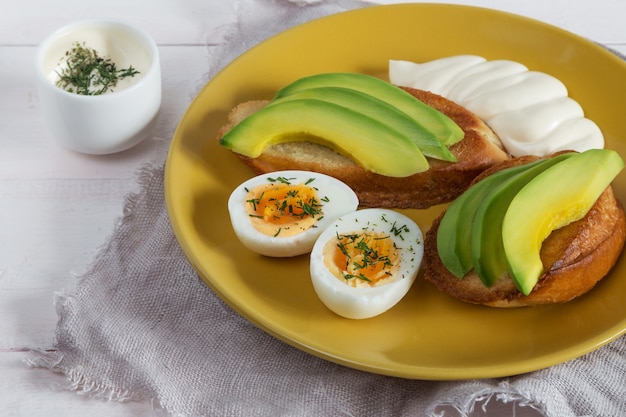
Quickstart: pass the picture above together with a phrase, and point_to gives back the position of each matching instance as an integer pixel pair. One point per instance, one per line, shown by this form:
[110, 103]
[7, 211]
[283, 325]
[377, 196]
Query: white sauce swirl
[530, 111]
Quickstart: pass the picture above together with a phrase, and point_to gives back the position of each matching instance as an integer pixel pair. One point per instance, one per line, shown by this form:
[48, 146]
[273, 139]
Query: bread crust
[575, 258]
[442, 183]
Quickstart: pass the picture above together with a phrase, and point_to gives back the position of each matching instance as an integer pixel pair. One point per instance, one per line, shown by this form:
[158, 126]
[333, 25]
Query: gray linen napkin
[142, 326]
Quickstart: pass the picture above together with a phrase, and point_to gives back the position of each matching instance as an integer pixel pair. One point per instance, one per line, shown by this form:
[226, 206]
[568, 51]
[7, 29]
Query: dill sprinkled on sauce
[87, 73]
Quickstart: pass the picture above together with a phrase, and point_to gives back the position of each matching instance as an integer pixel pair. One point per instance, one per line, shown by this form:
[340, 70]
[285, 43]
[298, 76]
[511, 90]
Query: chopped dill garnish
[87, 73]
[397, 231]
[283, 180]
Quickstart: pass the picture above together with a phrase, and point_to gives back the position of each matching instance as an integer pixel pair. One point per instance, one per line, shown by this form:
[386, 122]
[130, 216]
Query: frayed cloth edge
[465, 407]
[75, 380]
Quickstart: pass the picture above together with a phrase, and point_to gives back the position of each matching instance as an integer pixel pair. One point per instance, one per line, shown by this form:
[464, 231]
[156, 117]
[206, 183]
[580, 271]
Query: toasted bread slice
[443, 182]
[574, 257]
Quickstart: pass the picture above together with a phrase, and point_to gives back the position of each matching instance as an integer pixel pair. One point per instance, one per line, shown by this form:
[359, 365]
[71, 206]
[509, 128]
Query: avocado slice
[372, 144]
[487, 249]
[562, 194]
[454, 236]
[444, 128]
[373, 107]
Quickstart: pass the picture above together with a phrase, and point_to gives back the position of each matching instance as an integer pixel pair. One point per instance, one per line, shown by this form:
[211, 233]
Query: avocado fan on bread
[571, 260]
[441, 174]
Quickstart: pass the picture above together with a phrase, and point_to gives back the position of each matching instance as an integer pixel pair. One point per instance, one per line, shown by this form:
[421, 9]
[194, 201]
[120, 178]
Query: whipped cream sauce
[530, 111]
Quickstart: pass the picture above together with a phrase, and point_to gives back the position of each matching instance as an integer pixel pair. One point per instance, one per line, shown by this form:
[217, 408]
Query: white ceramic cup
[106, 123]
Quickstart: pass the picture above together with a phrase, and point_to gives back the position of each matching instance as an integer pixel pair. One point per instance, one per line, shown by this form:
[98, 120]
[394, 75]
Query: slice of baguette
[442, 183]
[575, 258]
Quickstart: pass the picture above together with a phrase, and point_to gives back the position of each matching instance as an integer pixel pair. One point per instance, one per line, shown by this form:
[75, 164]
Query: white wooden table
[57, 207]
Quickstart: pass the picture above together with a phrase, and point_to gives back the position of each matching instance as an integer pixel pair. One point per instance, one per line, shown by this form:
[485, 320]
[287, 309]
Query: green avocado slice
[378, 109]
[562, 194]
[488, 257]
[454, 236]
[370, 143]
[444, 128]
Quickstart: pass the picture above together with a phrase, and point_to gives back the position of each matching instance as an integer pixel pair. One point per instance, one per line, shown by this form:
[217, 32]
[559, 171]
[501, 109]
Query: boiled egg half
[281, 214]
[365, 262]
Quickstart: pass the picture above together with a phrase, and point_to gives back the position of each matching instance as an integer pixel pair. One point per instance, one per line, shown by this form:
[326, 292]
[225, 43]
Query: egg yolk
[362, 259]
[283, 209]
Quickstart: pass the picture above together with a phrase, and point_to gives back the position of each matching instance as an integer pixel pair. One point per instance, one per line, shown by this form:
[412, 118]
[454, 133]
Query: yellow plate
[428, 335]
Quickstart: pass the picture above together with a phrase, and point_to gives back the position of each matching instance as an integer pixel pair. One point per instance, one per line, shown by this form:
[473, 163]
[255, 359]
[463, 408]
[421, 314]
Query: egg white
[336, 197]
[361, 303]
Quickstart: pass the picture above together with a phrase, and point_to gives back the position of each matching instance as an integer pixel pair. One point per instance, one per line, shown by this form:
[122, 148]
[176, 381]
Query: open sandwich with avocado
[395, 147]
[530, 231]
